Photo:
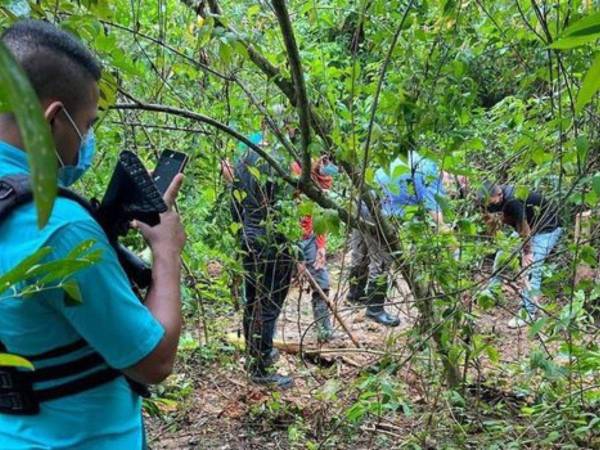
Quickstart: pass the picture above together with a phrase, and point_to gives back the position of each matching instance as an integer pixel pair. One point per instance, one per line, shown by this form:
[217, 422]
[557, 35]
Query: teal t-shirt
[110, 319]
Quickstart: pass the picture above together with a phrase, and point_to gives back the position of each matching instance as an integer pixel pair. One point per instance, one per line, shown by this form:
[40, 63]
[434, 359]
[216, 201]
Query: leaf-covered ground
[211, 404]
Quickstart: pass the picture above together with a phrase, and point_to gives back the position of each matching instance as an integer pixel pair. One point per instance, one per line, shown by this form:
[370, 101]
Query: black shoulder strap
[16, 190]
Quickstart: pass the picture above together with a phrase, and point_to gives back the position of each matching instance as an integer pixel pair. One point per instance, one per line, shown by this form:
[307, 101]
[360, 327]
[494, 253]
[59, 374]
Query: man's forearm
[525, 233]
[164, 298]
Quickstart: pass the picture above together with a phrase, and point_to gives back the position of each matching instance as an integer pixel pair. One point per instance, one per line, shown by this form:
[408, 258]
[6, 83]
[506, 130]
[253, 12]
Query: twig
[330, 305]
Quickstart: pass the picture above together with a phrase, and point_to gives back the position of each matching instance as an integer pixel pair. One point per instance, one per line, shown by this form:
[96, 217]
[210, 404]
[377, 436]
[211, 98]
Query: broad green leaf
[521, 192]
[588, 255]
[225, 53]
[235, 227]
[596, 184]
[81, 249]
[540, 156]
[20, 271]
[467, 227]
[240, 49]
[253, 10]
[573, 41]
[369, 175]
[72, 293]
[333, 220]
[443, 203]
[239, 195]
[57, 270]
[587, 25]
[8, 360]
[537, 327]
[581, 32]
[400, 170]
[306, 208]
[320, 224]
[582, 143]
[254, 172]
[591, 84]
[492, 353]
[37, 139]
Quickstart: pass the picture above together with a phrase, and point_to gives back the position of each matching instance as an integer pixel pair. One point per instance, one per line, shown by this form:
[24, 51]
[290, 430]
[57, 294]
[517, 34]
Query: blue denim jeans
[541, 245]
[309, 248]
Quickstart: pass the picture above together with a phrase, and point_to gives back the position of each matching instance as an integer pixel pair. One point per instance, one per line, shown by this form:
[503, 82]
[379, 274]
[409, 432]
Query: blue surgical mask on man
[329, 169]
[67, 175]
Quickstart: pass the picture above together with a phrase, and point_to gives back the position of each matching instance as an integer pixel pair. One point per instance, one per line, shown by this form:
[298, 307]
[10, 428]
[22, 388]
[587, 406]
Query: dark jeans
[268, 272]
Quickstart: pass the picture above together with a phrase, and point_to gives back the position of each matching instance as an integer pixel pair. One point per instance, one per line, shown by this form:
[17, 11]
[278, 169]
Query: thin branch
[303, 105]
[309, 189]
[160, 127]
[138, 105]
[166, 46]
[384, 68]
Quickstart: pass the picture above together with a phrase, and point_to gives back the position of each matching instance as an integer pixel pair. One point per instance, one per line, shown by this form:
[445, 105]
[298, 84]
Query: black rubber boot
[358, 285]
[375, 310]
[272, 357]
[273, 380]
[322, 317]
[260, 373]
[270, 378]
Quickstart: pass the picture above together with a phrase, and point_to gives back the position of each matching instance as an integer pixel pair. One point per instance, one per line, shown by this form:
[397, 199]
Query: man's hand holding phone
[168, 237]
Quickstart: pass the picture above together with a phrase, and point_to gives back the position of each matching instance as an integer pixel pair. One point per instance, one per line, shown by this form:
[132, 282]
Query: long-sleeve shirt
[253, 202]
[418, 183]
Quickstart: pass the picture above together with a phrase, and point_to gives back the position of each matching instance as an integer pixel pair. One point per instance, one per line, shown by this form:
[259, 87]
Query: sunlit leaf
[8, 360]
[72, 293]
[590, 85]
[37, 139]
[581, 32]
[19, 272]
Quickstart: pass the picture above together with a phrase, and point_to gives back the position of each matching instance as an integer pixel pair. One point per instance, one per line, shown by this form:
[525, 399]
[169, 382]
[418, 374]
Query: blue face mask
[329, 169]
[67, 175]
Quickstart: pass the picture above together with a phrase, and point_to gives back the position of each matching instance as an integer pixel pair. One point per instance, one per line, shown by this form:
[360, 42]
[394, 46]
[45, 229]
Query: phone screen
[169, 165]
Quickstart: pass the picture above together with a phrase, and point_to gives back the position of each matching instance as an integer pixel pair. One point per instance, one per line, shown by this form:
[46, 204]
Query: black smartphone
[169, 165]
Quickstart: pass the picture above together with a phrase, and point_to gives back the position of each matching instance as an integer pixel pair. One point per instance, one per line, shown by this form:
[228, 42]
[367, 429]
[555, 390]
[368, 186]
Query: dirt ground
[224, 410]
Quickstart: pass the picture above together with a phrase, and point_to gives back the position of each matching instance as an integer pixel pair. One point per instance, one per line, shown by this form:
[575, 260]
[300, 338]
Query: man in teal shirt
[140, 340]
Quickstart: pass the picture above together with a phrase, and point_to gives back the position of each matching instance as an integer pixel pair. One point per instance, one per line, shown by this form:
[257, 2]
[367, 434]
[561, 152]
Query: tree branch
[303, 105]
[383, 229]
[138, 105]
[309, 189]
[384, 68]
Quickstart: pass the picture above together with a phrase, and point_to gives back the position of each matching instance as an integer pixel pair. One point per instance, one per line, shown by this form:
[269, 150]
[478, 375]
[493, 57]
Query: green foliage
[22, 101]
[581, 32]
[482, 88]
[14, 361]
[591, 85]
[33, 274]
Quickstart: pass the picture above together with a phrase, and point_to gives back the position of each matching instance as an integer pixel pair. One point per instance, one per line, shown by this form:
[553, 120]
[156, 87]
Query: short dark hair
[488, 189]
[57, 64]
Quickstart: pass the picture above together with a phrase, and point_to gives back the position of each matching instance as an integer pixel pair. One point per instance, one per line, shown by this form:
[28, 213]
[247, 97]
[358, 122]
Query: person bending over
[536, 220]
